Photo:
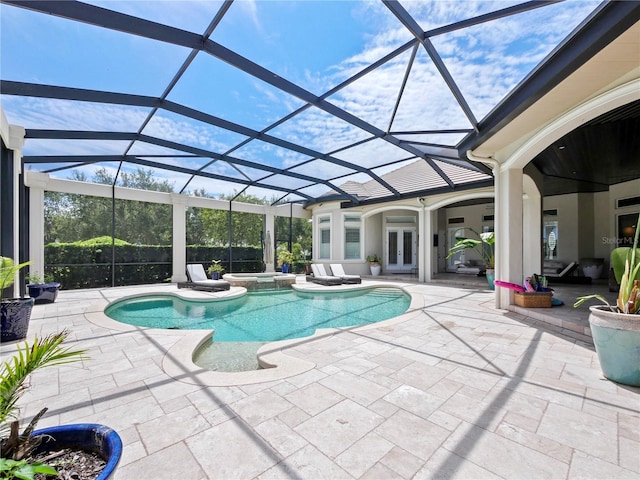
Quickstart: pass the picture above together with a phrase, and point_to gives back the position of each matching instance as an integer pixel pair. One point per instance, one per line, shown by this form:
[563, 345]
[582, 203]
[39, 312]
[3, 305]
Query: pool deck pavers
[454, 389]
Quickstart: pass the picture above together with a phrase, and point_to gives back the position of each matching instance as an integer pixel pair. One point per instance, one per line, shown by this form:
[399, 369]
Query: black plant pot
[90, 437]
[15, 314]
[44, 292]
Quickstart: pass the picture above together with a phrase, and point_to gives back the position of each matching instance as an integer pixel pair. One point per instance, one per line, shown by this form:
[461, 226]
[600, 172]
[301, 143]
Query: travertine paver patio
[457, 390]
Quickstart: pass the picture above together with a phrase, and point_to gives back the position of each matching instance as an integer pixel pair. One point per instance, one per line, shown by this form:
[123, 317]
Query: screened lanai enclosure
[286, 103]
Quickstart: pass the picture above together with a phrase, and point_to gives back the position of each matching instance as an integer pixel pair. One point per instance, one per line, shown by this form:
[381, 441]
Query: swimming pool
[263, 316]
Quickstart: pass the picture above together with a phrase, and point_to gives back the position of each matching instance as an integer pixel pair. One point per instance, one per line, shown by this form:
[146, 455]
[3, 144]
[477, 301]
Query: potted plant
[20, 451]
[374, 264]
[306, 262]
[616, 328]
[42, 291]
[285, 257]
[484, 246]
[15, 313]
[215, 270]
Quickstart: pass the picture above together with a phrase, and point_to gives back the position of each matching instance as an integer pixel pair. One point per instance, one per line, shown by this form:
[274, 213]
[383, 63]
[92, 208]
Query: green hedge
[89, 266]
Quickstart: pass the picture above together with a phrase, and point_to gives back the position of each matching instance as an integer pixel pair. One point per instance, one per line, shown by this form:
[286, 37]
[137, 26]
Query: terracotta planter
[15, 314]
[91, 437]
[616, 337]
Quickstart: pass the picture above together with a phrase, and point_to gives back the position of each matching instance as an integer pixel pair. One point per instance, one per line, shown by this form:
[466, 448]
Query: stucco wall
[587, 222]
[602, 227]
[473, 215]
[587, 225]
[567, 208]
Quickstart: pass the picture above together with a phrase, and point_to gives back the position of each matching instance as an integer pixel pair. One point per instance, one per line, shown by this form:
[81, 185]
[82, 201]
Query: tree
[196, 234]
[246, 227]
[70, 217]
[301, 232]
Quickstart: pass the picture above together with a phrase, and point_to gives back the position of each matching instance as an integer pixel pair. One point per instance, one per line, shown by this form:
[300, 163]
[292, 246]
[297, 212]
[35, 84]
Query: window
[626, 229]
[402, 219]
[324, 234]
[352, 237]
[550, 239]
[351, 243]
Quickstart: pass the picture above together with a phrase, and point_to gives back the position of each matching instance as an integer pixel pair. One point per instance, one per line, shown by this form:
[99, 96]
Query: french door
[454, 260]
[401, 249]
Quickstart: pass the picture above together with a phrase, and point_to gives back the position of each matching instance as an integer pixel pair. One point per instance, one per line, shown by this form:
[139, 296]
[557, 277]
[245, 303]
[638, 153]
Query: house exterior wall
[601, 227]
[617, 192]
[375, 223]
[473, 219]
[587, 222]
[585, 225]
[567, 208]
[372, 240]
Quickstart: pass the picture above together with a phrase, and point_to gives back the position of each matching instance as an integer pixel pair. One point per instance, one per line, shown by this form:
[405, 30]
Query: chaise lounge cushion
[198, 279]
[337, 270]
[321, 279]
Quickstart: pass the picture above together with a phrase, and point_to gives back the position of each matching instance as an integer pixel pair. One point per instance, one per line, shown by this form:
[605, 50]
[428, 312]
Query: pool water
[264, 316]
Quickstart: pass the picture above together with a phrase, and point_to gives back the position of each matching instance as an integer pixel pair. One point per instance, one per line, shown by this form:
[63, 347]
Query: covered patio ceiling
[286, 100]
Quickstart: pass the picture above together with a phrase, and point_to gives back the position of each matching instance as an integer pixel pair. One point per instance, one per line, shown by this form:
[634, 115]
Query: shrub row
[77, 266]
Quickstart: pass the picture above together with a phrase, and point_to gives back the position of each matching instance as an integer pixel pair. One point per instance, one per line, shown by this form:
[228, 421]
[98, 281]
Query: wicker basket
[533, 299]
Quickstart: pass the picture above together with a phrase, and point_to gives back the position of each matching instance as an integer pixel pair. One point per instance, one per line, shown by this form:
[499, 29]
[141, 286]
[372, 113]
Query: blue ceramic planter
[616, 337]
[44, 292]
[491, 276]
[14, 317]
[87, 436]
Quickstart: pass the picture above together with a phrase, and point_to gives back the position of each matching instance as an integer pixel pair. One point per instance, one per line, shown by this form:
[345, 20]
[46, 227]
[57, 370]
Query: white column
[179, 268]
[269, 230]
[431, 217]
[532, 228]
[15, 142]
[509, 258]
[427, 219]
[36, 228]
[423, 246]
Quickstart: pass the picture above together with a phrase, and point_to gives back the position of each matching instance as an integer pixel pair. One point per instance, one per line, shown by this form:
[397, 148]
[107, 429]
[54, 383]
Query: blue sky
[315, 44]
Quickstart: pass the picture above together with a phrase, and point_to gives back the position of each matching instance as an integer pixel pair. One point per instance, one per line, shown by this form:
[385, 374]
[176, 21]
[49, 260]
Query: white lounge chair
[198, 280]
[337, 270]
[321, 277]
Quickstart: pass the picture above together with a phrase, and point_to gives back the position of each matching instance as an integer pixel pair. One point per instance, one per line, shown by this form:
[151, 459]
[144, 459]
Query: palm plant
[44, 352]
[484, 246]
[628, 300]
[8, 271]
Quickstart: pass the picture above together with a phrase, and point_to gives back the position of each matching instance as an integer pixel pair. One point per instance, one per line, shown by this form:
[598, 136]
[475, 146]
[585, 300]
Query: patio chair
[321, 277]
[198, 280]
[337, 270]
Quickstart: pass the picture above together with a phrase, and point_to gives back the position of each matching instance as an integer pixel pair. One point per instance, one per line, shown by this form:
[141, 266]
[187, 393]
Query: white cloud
[69, 115]
[486, 61]
[191, 15]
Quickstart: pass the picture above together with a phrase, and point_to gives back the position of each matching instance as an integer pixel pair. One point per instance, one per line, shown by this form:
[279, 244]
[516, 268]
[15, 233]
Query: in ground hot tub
[260, 281]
